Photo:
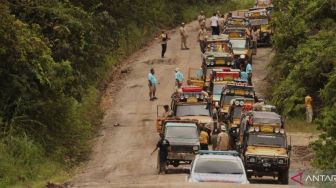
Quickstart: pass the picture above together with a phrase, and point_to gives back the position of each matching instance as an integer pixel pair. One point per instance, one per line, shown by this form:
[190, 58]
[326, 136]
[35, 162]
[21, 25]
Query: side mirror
[289, 147]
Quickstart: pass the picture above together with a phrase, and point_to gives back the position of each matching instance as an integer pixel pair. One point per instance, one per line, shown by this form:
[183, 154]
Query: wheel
[283, 177]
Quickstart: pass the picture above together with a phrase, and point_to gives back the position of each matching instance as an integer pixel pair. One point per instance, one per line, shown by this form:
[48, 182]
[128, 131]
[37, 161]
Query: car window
[192, 110]
[218, 166]
[266, 140]
[218, 88]
[238, 43]
[181, 132]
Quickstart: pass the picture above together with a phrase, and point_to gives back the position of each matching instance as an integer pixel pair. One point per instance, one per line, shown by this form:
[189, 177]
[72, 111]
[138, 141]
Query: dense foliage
[53, 55]
[305, 44]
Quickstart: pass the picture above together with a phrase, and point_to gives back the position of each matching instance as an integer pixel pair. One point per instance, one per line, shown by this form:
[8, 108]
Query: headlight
[212, 63]
[208, 62]
[265, 34]
[281, 161]
[242, 56]
[252, 160]
[241, 103]
[195, 148]
[237, 103]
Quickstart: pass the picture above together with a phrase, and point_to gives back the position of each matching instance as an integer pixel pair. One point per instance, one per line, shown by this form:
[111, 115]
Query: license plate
[256, 14]
[266, 165]
[239, 92]
[182, 155]
[220, 62]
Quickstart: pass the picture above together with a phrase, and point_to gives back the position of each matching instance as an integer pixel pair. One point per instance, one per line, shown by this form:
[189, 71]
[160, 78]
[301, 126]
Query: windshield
[237, 111]
[228, 98]
[218, 166]
[192, 110]
[218, 88]
[266, 140]
[189, 132]
[238, 43]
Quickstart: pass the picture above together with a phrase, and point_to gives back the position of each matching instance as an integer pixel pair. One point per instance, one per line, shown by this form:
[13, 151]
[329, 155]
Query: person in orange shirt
[309, 108]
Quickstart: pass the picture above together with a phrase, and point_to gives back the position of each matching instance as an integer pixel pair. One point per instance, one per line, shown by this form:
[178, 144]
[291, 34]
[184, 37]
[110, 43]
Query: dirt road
[121, 156]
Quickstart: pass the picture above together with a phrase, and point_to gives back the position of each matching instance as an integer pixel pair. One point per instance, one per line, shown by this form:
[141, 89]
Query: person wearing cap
[202, 36]
[167, 112]
[223, 140]
[201, 19]
[184, 36]
[152, 84]
[178, 78]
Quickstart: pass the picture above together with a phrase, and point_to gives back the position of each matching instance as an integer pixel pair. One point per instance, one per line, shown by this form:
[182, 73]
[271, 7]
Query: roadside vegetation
[54, 55]
[304, 63]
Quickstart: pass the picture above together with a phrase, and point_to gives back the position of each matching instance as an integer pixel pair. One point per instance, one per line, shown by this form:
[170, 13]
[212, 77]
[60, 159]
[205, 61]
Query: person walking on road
[249, 72]
[309, 108]
[184, 37]
[164, 146]
[164, 38]
[243, 75]
[152, 84]
[223, 140]
[214, 136]
[214, 24]
[204, 138]
[255, 36]
[201, 19]
[202, 36]
[178, 78]
[221, 23]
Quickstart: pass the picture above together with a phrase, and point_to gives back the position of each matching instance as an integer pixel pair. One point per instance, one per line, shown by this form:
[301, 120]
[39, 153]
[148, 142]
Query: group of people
[219, 138]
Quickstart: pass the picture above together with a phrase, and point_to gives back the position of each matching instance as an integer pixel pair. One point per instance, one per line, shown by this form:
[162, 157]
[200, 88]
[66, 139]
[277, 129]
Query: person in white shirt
[214, 24]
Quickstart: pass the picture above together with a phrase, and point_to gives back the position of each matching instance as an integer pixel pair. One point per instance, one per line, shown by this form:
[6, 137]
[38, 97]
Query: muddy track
[121, 154]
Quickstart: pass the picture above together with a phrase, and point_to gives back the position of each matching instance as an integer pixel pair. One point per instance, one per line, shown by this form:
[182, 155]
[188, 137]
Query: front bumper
[269, 166]
[181, 156]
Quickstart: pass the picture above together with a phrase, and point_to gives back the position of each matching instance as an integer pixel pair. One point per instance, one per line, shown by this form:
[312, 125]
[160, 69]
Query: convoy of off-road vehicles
[217, 96]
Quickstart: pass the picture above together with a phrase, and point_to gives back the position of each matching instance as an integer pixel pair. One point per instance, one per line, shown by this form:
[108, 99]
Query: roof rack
[207, 152]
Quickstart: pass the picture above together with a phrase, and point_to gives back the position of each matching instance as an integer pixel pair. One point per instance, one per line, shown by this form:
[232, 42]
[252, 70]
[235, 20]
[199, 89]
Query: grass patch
[300, 125]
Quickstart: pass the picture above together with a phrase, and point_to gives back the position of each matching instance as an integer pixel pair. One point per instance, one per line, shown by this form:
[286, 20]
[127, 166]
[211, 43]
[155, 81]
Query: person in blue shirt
[178, 77]
[248, 70]
[152, 84]
[243, 75]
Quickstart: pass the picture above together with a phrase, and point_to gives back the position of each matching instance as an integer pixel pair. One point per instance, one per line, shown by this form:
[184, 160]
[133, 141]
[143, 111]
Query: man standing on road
[223, 140]
[204, 138]
[178, 78]
[202, 35]
[309, 108]
[249, 72]
[255, 37]
[201, 19]
[214, 24]
[214, 136]
[152, 84]
[164, 38]
[167, 112]
[164, 146]
[221, 22]
[184, 37]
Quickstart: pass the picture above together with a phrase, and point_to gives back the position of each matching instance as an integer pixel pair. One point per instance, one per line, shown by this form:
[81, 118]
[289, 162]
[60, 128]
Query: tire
[283, 177]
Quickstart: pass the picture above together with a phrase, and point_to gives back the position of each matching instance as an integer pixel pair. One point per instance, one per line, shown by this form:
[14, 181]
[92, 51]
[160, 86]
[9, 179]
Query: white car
[218, 166]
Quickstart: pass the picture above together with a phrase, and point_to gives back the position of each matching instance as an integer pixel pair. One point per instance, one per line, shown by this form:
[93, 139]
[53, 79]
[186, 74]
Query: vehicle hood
[183, 141]
[261, 150]
[225, 178]
[201, 119]
[216, 97]
[239, 51]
